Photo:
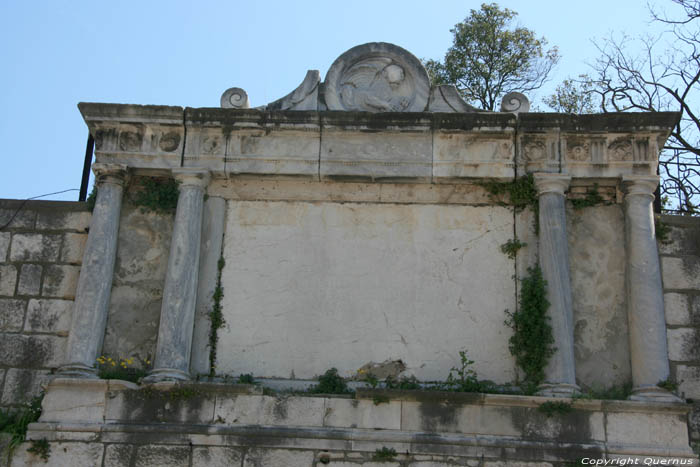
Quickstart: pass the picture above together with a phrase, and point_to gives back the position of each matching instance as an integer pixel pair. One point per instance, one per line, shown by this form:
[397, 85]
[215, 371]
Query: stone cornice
[363, 146]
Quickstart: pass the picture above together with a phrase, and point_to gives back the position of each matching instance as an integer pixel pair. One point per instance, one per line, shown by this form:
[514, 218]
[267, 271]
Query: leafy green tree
[489, 58]
[573, 96]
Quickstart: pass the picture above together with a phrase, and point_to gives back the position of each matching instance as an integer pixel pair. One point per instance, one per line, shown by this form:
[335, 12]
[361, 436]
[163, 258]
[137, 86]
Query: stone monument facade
[350, 224]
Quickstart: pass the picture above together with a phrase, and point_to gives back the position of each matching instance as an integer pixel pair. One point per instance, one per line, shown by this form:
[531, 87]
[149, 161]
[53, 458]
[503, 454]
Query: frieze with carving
[169, 141]
[534, 150]
[130, 140]
[577, 150]
[620, 149]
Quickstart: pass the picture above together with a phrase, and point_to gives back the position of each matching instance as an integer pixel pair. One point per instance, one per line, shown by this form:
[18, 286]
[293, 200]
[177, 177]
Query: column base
[653, 394]
[77, 370]
[166, 374]
[557, 390]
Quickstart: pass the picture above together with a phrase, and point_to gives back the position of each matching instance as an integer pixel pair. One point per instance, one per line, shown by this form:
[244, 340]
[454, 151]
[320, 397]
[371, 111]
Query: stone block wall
[680, 264]
[41, 248]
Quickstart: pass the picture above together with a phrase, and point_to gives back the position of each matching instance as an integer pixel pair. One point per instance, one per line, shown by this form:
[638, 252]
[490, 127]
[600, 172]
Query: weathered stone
[119, 455]
[5, 439]
[22, 385]
[29, 280]
[516, 464]
[139, 273]
[677, 309]
[264, 410]
[306, 190]
[694, 422]
[213, 227]
[387, 368]
[260, 457]
[446, 98]
[60, 281]
[173, 350]
[645, 300]
[316, 258]
[95, 281]
[648, 429]
[73, 248]
[304, 97]
[132, 325]
[515, 102]
[598, 292]
[688, 378]
[377, 77]
[62, 454]
[63, 220]
[8, 279]
[140, 136]
[383, 155]
[352, 413]
[683, 237]
[466, 155]
[560, 373]
[235, 98]
[683, 344]
[215, 456]
[695, 309]
[47, 315]
[681, 273]
[21, 219]
[274, 152]
[35, 247]
[74, 400]
[11, 315]
[22, 351]
[162, 456]
[161, 403]
[4, 245]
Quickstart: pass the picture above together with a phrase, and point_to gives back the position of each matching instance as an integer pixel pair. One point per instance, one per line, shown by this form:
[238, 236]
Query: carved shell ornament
[377, 77]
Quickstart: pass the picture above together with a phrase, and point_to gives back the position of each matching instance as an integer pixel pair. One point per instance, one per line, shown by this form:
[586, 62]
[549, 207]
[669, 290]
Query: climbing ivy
[216, 317]
[532, 341]
[157, 194]
[592, 198]
[520, 193]
[511, 247]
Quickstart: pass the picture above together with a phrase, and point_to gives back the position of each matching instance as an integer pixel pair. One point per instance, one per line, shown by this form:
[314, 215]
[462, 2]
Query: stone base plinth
[198, 422]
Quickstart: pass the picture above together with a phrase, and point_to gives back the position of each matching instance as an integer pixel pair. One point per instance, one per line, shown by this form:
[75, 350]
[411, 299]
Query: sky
[56, 54]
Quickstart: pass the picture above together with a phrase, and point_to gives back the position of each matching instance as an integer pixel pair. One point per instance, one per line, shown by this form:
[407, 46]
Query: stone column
[174, 345]
[560, 373]
[95, 282]
[645, 299]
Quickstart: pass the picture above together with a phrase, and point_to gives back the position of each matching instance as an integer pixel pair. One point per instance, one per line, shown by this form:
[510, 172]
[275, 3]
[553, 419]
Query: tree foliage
[663, 76]
[489, 58]
[573, 96]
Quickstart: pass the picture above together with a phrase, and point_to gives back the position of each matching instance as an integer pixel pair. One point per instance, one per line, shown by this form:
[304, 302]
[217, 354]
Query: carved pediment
[373, 77]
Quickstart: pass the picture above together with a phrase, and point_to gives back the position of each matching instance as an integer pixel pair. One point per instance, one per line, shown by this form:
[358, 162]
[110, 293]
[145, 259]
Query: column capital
[551, 183]
[640, 184]
[110, 173]
[194, 177]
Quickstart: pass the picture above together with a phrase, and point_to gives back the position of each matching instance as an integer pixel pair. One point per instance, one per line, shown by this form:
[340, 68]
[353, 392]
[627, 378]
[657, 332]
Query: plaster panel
[597, 267]
[310, 286]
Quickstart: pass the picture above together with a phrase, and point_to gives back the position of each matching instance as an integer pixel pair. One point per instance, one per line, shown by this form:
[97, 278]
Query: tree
[663, 76]
[489, 59]
[573, 96]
